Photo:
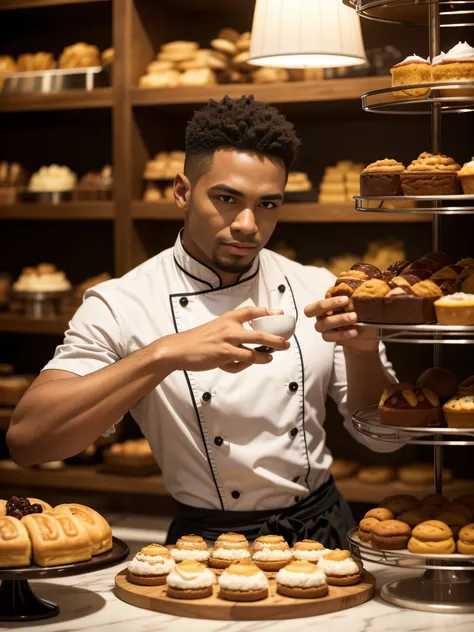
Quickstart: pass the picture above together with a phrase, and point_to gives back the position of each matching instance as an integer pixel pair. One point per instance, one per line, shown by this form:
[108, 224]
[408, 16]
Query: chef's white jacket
[249, 441]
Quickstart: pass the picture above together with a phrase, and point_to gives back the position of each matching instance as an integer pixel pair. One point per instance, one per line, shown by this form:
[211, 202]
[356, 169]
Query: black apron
[324, 516]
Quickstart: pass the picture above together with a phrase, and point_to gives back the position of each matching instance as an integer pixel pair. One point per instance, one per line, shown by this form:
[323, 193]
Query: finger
[261, 338]
[245, 314]
[325, 305]
[341, 335]
[252, 356]
[275, 312]
[235, 367]
[335, 322]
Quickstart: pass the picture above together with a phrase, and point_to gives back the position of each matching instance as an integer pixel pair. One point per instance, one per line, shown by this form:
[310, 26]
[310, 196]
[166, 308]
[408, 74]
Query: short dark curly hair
[244, 124]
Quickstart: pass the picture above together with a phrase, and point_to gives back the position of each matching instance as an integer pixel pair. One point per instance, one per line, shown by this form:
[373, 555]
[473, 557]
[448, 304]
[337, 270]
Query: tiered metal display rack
[447, 583]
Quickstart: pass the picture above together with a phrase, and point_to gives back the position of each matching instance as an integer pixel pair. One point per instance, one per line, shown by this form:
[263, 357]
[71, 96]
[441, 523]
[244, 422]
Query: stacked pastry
[132, 458]
[44, 278]
[159, 173]
[79, 55]
[431, 525]
[340, 182]
[298, 181]
[12, 177]
[34, 532]
[12, 387]
[95, 185]
[52, 179]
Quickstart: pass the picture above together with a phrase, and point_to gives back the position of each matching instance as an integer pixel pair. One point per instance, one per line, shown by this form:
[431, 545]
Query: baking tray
[56, 80]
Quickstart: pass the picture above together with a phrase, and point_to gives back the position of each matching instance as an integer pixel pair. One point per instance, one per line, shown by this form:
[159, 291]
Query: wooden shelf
[30, 4]
[5, 416]
[67, 100]
[83, 478]
[295, 91]
[354, 491]
[292, 212]
[15, 323]
[64, 211]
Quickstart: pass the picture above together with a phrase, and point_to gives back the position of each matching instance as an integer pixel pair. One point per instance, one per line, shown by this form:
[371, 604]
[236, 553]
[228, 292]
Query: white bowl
[277, 325]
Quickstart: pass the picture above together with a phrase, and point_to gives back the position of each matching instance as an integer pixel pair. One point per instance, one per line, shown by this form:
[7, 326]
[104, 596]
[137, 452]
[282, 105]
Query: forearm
[366, 378]
[59, 418]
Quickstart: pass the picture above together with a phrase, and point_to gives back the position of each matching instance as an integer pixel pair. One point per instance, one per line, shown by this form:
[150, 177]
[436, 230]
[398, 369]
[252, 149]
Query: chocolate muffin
[431, 174]
[382, 178]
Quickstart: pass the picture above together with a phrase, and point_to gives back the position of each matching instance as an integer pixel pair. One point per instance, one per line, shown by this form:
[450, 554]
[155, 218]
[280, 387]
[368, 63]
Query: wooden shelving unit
[15, 323]
[291, 212]
[70, 100]
[28, 4]
[357, 492]
[64, 211]
[5, 416]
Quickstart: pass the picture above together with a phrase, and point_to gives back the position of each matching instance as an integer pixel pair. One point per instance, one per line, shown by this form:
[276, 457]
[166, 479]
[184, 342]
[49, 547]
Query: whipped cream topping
[184, 580]
[267, 555]
[300, 580]
[438, 59]
[338, 568]
[311, 556]
[457, 297]
[192, 554]
[461, 52]
[150, 565]
[467, 168]
[412, 59]
[230, 554]
[230, 581]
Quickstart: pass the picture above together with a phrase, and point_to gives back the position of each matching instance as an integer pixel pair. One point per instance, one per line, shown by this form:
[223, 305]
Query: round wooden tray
[275, 607]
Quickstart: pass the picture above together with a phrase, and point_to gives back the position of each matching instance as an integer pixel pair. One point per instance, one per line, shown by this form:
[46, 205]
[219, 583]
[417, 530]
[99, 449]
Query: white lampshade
[306, 34]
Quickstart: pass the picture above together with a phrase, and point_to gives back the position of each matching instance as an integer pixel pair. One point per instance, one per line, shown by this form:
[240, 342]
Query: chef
[238, 433]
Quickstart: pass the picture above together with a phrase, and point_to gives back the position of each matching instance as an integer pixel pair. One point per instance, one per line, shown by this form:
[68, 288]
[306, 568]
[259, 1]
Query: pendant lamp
[306, 34]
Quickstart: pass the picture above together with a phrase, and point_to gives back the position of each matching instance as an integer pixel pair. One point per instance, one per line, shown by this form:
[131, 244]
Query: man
[237, 432]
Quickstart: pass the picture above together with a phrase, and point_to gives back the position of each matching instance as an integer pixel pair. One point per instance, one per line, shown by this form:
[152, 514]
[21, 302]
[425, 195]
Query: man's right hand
[220, 344]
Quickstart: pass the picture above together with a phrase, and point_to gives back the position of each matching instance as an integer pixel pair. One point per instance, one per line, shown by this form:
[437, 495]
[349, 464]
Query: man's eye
[268, 205]
[227, 199]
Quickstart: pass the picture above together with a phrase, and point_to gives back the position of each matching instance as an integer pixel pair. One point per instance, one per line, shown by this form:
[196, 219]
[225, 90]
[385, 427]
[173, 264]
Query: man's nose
[245, 222]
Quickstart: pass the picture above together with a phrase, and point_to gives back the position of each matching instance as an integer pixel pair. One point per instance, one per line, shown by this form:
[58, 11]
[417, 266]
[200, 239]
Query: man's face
[232, 209]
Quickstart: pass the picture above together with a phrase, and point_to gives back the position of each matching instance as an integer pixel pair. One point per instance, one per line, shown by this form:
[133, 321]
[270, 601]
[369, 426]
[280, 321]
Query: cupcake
[271, 552]
[309, 550]
[243, 581]
[411, 71]
[151, 566]
[431, 174]
[459, 411]
[456, 65]
[190, 547]
[301, 579]
[404, 405]
[382, 178]
[390, 535]
[229, 548]
[414, 517]
[190, 580]
[340, 569]
[466, 177]
[466, 540]
[432, 537]
[455, 309]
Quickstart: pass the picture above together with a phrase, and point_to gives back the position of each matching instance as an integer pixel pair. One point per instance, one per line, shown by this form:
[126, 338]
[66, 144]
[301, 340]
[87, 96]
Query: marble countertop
[88, 602]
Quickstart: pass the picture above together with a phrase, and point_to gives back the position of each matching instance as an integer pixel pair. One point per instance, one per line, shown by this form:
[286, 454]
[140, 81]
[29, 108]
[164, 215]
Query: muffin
[405, 405]
[382, 178]
[390, 535]
[459, 411]
[432, 538]
[302, 580]
[271, 552]
[190, 547]
[441, 382]
[150, 566]
[456, 65]
[190, 580]
[229, 548]
[243, 581]
[414, 517]
[340, 569]
[411, 71]
[455, 309]
[454, 520]
[365, 528]
[399, 503]
[309, 550]
[466, 540]
[380, 514]
[431, 174]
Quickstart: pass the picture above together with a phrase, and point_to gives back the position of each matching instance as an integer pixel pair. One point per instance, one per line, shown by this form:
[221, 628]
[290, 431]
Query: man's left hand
[340, 328]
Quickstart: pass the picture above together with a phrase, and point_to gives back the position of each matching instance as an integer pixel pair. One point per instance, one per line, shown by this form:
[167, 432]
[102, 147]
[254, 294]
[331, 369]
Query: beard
[235, 266]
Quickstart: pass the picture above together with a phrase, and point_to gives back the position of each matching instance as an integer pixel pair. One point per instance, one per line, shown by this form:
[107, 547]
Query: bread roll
[15, 544]
[97, 527]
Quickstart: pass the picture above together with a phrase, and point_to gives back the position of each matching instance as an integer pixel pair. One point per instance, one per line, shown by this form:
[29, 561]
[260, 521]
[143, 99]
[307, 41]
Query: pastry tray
[426, 333]
[460, 204]
[56, 80]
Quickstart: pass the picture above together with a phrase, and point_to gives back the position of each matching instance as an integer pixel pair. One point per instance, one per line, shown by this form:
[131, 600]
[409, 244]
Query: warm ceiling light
[306, 34]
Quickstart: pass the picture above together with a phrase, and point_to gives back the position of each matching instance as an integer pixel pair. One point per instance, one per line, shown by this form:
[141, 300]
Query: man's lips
[240, 248]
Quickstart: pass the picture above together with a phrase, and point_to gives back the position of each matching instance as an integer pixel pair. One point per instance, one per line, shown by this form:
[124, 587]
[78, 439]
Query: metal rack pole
[435, 49]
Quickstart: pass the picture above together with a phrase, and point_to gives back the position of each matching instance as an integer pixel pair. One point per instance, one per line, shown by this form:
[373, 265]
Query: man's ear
[182, 191]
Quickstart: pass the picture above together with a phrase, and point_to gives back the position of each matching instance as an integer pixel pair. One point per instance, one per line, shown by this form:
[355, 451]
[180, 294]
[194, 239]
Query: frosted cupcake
[309, 550]
[229, 548]
[340, 569]
[190, 547]
[411, 71]
[151, 566]
[456, 65]
[190, 580]
[466, 177]
[243, 581]
[301, 579]
[271, 552]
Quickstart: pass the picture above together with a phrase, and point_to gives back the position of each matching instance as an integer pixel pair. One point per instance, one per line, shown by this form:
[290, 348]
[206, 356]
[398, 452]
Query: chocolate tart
[379, 183]
[396, 310]
[430, 183]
